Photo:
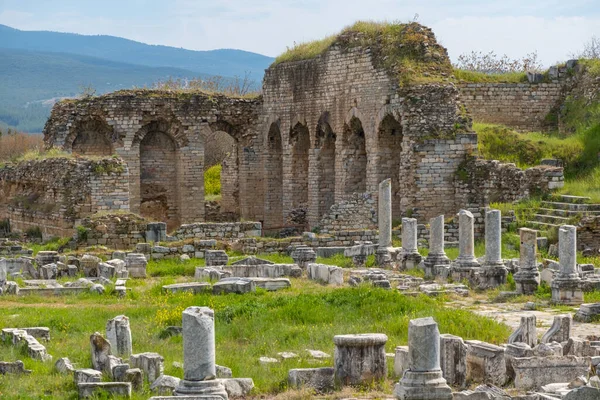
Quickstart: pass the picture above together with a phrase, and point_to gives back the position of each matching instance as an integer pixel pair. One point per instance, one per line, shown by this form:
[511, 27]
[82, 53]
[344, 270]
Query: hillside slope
[224, 62]
[29, 80]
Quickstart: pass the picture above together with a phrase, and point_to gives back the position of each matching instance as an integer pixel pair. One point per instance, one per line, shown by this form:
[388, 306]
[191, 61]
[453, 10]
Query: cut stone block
[485, 363]
[193, 287]
[360, 359]
[320, 379]
[535, 372]
[90, 389]
[151, 363]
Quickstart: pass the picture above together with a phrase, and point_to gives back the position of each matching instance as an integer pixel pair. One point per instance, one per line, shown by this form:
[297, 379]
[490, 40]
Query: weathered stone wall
[115, 231]
[160, 136]
[54, 193]
[480, 182]
[214, 212]
[231, 230]
[361, 128]
[358, 212]
[588, 234]
[521, 106]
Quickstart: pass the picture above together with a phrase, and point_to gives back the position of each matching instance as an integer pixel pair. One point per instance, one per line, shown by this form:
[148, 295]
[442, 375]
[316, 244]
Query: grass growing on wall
[480, 77]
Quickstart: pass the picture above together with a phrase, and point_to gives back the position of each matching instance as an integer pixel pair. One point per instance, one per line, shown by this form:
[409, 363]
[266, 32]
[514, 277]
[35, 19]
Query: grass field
[249, 326]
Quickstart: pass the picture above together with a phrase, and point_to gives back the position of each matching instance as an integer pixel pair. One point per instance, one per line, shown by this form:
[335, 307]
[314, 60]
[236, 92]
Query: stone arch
[325, 157]
[91, 137]
[221, 146]
[389, 156]
[299, 145]
[274, 177]
[352, 166]
[159, 172]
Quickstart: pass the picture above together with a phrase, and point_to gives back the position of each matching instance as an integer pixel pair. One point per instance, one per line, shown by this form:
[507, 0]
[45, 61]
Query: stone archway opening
[92, 138]
[221, 177]
[159, 189]
[325, 145]
[274, 177]
[299, 145]
[389, 155]
[354, 158]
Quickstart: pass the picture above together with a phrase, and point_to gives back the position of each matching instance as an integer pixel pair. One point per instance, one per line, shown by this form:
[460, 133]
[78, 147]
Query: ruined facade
[324, 130]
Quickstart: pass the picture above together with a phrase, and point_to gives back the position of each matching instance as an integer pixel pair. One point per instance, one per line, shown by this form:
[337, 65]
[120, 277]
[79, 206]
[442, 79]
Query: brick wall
[522, 106]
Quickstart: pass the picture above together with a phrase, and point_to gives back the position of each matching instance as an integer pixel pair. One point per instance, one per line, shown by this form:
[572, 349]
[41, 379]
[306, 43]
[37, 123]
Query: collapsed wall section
[52, 194]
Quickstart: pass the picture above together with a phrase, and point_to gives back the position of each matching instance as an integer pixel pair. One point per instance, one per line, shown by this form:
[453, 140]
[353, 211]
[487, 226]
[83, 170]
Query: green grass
[212, 181]
[173, 267]
[480, 77]
[249, 326]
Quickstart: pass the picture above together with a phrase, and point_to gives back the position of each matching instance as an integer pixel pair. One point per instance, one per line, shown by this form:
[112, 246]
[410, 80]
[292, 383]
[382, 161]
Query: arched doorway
[92, 138]
[354, 159]
[325, 146]
[274, 177]
[300, 145]
[389, 138]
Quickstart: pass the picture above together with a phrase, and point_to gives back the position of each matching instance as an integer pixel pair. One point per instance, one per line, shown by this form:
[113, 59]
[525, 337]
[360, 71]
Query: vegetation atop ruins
[407, 50]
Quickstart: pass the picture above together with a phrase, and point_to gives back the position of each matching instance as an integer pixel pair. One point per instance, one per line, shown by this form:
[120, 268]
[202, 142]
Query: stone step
[565, 213]
[540, 226]
[553, 219]
[565, 198]
[570, 206]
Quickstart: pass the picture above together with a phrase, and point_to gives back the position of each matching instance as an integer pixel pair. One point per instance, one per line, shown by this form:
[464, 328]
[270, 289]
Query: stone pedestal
[466, 266]
[493, 272]
[156, 232]
[437, 255]
[360, 359]
[199, 369]
[304, 255]
[527, 277]
[566, 285]
[423, 380]
[136, 265]
[409, 257]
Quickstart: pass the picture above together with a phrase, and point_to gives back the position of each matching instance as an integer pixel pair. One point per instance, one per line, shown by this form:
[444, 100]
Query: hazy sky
[555, 28]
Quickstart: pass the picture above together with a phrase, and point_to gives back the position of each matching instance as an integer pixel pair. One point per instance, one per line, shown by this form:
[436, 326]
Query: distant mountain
[31, 80]
[224, 62]
[38, 67]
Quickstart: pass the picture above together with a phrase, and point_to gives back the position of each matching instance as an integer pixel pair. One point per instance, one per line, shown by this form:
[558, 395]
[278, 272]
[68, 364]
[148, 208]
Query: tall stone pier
[466, 266]
[437, 254]
[383, 254]
[423, 380]
[199, 367]
[527, 277]
[566, 285]
[493, 272]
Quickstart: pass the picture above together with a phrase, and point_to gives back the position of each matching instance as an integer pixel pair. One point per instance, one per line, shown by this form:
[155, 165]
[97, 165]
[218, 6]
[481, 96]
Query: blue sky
[555, 28]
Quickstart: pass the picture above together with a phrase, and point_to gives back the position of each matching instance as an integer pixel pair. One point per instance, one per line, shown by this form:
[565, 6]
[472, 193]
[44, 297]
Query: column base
[492, 276]
[429, 385]
[460, 273]
[527, 281]
[432, 260]
[409, 260]
[383, 257]
[566, 291]
[213, 388]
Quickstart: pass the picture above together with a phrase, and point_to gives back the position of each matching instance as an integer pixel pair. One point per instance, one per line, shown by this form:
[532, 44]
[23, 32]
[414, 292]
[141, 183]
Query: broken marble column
[526, 332]
[493, 272]
[384, 216]
[527, 277]
[437, 254]
[409, 257]
[566, 285]
[2, 274]
[560, 331]
[359, 359]
[453, 360]
[423, 379]
[466, 265]
[199, 368]
[101, 352]
[118, 333]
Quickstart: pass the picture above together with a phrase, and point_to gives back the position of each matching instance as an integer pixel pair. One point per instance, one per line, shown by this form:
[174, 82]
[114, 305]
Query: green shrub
[212, 181]
[82, 233]
[34, 232]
